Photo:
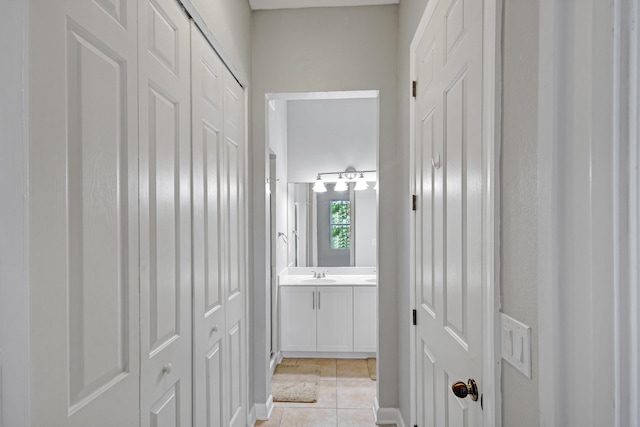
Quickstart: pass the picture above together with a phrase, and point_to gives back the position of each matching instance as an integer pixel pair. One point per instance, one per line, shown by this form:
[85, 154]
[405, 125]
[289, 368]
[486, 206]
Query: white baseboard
[328, 354]
[387, 415]
[251, 417]
[275, 361]
[263, 410]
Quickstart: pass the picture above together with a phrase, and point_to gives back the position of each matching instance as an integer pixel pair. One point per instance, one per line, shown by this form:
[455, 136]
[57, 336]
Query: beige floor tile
[274, 419]
[327, 366]
[289, 361]
[356, 394]
[308, 417]
[327, 397]
[356, 418]
[352, 370]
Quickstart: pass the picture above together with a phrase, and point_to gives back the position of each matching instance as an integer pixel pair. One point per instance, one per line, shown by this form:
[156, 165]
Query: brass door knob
[463, 390]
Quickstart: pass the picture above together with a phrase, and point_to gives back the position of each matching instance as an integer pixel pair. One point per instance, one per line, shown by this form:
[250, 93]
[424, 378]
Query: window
[340, 219]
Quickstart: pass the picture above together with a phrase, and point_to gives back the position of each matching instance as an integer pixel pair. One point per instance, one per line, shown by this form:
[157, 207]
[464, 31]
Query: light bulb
[341, 184]
[319, 186]
[361, 184]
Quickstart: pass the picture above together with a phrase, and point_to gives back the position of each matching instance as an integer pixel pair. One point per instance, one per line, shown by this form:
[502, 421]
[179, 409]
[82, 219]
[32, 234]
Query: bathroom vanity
[331, 316]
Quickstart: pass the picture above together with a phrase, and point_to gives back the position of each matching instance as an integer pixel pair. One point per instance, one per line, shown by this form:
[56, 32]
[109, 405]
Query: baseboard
[251, 417]
[263, 410]
[387, 415]
[327, 354]
[275, 361]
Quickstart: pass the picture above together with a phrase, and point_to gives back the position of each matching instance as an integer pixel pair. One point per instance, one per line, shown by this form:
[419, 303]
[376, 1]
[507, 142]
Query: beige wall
[410, 12]
[518, 192]
[337, 49]
[519, 243]
[14, 215]
[230, 23]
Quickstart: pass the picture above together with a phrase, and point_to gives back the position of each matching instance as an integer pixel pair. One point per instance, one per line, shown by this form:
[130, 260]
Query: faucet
[318, 274]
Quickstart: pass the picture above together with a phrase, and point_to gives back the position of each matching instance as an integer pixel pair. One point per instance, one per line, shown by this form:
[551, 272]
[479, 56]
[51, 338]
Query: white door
[83, 213]
[334, 318]
[220, 360]
[234, 250]
[448, 224]
[297, 318]
[209, 291]
[165, 233]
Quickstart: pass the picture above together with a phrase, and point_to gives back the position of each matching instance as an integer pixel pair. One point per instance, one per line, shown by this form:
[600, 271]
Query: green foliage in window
[340, 212]
[340, 236]
[340, 224]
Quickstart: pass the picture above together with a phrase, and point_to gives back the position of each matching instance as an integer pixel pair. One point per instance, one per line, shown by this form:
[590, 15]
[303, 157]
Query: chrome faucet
[318, 274]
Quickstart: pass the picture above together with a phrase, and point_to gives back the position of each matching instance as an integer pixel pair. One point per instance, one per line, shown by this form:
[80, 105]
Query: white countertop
[329, 280]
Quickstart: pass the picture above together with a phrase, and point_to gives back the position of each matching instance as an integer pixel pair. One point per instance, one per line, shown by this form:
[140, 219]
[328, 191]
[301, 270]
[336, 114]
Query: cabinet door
[364, 318]
[334, 316]
[298, 318]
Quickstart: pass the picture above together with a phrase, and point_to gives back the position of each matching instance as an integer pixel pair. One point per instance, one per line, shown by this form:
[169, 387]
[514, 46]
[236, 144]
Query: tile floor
[345, 398]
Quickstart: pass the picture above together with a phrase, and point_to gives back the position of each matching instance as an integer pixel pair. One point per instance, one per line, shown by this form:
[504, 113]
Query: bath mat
[293, 383]
[371, 364]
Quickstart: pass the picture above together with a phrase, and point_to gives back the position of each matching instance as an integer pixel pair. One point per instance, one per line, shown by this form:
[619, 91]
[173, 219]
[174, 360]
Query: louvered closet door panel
[165, 223]
[210, 343]
[83, 243]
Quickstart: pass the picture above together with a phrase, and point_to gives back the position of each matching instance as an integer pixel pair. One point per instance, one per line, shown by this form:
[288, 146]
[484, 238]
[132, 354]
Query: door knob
[463, 390]
[214, 329]
[167, 369]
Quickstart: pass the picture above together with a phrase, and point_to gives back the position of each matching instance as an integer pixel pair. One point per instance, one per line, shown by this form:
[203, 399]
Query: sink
[318, 280]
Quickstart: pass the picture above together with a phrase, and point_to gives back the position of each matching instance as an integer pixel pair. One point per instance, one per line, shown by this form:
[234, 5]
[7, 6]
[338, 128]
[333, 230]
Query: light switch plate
[516, 344]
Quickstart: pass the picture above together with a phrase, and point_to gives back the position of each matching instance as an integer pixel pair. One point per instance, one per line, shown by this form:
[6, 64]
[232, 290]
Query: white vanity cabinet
[364, 319]
[334, 327]
[316, 318]
[298, 318]
[328, 319]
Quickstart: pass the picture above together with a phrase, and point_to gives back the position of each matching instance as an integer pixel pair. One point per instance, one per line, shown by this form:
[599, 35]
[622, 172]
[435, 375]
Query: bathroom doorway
[321, 136]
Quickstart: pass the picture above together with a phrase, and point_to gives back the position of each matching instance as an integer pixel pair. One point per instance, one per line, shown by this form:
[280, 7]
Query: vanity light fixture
[319, 186]
[349, 175]
[341, 184]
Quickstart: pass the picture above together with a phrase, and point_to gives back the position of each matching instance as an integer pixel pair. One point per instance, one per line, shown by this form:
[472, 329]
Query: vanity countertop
[329, 280]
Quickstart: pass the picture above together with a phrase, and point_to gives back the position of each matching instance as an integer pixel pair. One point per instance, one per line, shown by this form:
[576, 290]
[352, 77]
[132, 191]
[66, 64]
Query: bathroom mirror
[331, 229]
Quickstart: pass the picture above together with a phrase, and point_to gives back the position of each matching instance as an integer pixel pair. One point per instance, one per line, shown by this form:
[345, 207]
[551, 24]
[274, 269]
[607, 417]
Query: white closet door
[83, 221]
[165, 233]
[210, 345]
[233, 238]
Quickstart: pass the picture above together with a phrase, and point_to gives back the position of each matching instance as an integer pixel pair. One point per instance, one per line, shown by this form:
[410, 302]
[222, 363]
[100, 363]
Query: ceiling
[292, 4]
